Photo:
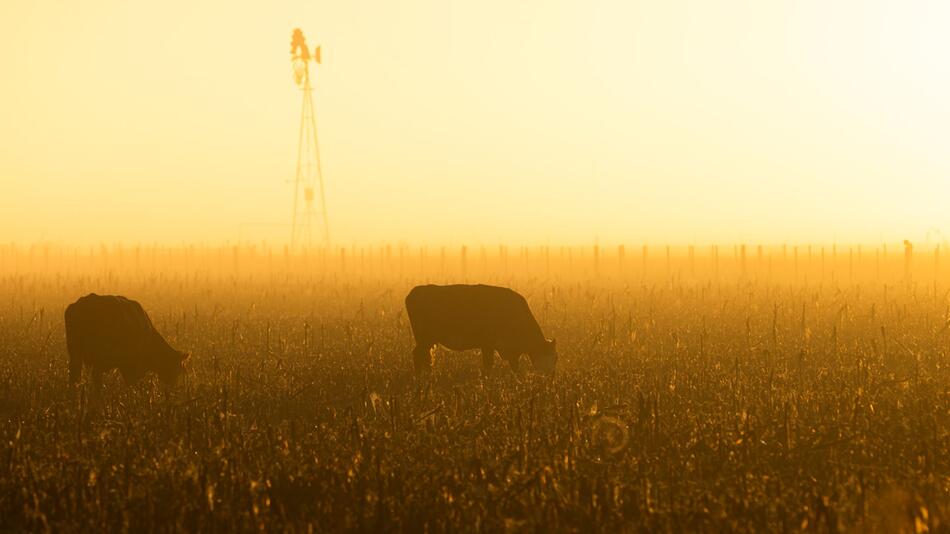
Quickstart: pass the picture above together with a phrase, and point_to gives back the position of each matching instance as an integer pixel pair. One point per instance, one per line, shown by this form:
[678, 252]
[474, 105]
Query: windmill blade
[298, 45]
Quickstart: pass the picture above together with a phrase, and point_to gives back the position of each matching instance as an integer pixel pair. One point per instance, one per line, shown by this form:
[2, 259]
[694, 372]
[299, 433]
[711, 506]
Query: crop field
[750, 390]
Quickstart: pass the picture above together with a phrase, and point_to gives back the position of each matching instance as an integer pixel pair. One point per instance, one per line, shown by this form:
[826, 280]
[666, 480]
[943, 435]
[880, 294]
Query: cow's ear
[553, 342]
[184, 356]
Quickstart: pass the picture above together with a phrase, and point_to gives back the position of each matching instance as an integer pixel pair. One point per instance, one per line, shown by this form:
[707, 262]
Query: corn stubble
[684, 400]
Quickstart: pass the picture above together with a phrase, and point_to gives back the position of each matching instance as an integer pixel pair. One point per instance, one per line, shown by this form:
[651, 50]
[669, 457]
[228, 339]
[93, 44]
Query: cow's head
[173, 366]
[545, 358]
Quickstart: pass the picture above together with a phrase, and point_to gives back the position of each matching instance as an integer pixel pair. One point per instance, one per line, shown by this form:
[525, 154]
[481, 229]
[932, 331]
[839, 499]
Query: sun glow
[678, 121]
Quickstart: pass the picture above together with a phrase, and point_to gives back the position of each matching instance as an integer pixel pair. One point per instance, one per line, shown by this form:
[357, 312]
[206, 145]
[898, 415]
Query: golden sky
[535, 121]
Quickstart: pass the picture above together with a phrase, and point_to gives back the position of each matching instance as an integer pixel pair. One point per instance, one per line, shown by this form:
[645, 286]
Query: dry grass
[681, 403]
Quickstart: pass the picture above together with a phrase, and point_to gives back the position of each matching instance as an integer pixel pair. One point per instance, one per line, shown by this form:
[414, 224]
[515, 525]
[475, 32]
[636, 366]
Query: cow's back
[470, 316]
[104, 325]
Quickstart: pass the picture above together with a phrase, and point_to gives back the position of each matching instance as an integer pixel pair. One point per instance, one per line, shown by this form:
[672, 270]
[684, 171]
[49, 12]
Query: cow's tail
[75, 358]
[411, 310]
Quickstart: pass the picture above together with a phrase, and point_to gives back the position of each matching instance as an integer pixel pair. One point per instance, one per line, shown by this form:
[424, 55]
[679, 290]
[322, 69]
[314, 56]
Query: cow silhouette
[489, 318]
[105, 332]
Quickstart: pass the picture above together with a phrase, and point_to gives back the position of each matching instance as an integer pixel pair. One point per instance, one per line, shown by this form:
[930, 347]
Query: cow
[489, 318]
[106, 332]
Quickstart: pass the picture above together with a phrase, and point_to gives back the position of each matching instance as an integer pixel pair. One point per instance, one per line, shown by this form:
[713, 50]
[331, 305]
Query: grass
[680, 403]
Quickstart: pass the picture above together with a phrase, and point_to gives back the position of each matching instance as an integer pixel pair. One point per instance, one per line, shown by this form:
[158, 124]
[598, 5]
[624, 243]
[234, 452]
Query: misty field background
[716, 388]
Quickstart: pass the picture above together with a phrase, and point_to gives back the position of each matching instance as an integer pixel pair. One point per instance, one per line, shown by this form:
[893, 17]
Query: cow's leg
[422, 357]
[512, 359]
[96, 383]
[488, 359]
[75, 368]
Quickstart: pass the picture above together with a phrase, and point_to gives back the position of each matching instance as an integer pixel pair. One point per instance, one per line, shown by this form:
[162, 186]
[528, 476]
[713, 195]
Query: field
[778, 389]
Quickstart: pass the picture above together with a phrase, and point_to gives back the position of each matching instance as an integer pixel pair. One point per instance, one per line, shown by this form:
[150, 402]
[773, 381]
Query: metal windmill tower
[309, 173]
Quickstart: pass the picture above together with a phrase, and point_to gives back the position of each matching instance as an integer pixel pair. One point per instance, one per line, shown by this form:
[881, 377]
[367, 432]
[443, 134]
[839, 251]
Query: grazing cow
[463, 317]
[108, 332]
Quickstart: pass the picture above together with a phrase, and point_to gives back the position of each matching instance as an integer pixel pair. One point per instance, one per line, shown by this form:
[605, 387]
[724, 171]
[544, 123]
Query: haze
[448, 121]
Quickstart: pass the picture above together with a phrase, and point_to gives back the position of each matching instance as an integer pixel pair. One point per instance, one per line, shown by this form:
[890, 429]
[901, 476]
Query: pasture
[696, 390]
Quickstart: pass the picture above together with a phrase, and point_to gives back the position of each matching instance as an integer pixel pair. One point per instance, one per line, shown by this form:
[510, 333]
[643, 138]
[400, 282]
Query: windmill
[309, 172]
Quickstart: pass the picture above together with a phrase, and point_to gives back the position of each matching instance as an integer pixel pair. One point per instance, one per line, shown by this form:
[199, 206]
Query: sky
[447, 121]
